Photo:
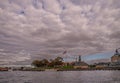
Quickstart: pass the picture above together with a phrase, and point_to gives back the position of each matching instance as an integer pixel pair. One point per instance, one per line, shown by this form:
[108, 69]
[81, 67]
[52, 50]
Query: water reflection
[61, 77]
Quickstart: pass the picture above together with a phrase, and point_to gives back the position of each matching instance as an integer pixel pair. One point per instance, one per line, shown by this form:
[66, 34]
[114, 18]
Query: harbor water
[60, 77]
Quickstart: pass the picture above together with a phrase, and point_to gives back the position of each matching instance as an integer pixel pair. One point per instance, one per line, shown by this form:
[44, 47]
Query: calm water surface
[60, 77]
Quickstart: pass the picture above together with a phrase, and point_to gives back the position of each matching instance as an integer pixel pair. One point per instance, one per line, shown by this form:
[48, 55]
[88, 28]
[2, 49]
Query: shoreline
[105, 69]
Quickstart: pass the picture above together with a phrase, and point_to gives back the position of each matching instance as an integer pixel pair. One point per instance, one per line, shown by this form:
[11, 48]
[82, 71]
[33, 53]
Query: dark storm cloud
[44, 29]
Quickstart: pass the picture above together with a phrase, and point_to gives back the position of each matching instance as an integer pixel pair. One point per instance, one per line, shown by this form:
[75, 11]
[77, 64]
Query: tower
[79, 58]
[116, 52]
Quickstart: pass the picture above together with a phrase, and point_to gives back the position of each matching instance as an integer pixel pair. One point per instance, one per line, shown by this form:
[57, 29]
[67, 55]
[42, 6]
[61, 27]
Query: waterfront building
[3, 69]
[115, 57]
[80, 64]
[102, 65]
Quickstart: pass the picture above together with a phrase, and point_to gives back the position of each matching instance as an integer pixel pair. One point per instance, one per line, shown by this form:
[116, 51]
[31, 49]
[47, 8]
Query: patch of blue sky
[98, 56]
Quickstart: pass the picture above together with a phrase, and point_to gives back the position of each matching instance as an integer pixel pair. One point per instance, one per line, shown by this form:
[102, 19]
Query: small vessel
[3, 69]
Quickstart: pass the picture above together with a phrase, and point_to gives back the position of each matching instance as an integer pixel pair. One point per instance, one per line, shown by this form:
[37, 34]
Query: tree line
[58, 61]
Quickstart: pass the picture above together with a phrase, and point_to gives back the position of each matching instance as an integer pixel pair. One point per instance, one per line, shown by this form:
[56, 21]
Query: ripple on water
[61, 77]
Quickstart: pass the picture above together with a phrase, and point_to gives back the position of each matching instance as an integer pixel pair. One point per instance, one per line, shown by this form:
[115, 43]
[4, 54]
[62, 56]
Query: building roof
[115, 56]
[81, 64]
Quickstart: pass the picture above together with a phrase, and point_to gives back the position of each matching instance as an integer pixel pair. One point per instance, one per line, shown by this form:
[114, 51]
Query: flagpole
[65, 54]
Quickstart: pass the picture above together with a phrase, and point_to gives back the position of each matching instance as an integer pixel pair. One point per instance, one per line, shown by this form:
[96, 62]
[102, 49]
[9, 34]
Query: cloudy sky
[35, 29]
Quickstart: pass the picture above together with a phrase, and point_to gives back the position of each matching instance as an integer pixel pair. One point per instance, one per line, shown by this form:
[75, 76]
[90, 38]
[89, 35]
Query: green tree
[36, 63]
[45, 62]
[51, 63]
[58, 61]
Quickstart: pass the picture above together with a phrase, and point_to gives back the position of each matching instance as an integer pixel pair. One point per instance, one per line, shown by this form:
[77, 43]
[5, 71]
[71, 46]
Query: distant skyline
[35, 29]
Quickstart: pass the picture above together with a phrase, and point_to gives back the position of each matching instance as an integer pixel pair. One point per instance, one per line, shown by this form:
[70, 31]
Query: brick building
[116, 57]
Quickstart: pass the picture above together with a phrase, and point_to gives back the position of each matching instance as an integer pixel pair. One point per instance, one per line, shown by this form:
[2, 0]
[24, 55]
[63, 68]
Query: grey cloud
[9, 57]
[48, 28]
